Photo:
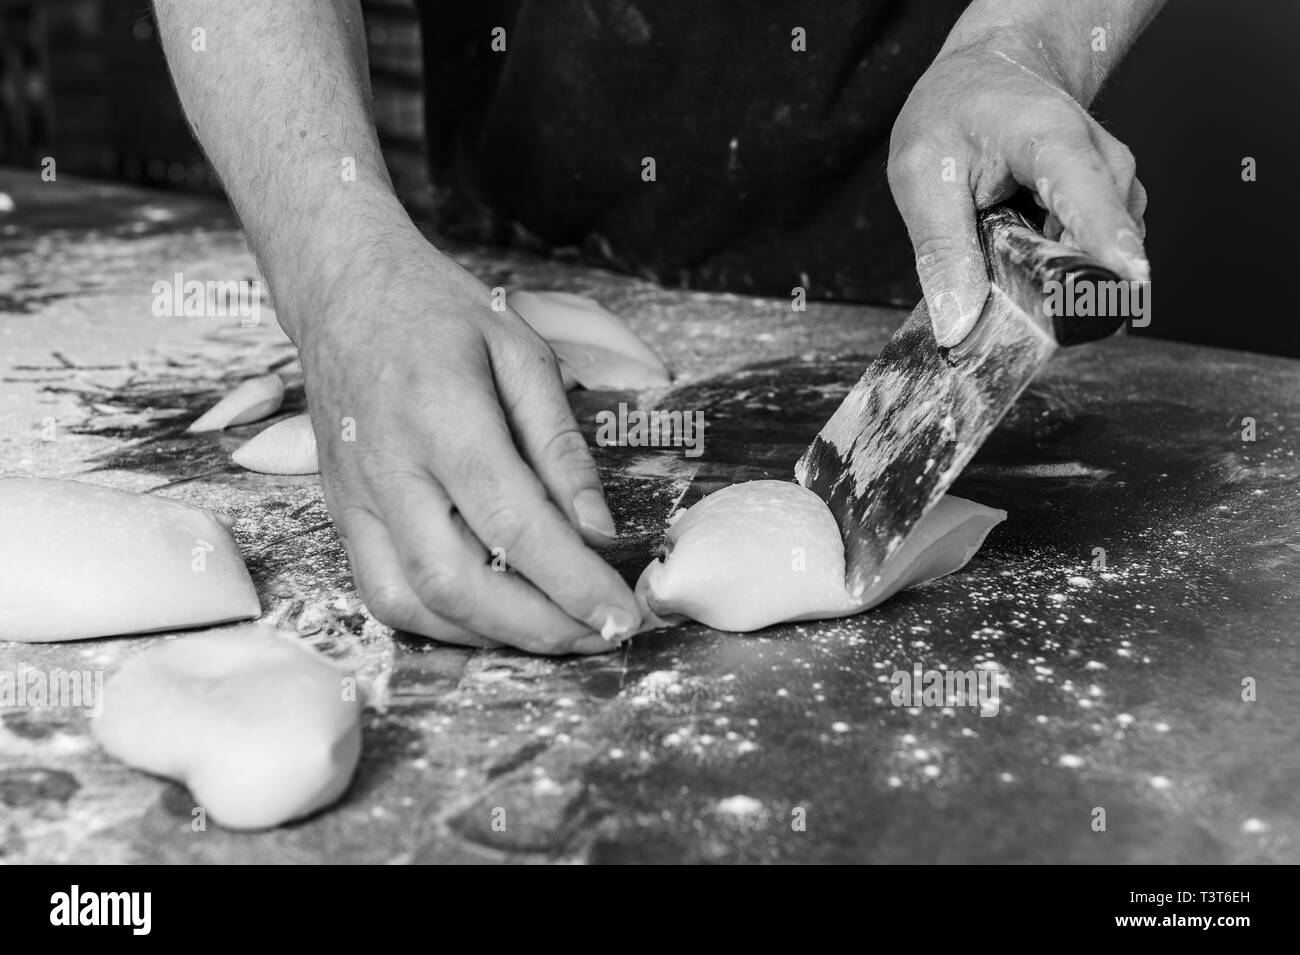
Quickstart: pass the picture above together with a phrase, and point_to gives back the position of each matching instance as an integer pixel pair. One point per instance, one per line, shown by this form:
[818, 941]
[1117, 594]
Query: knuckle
[932, 253]
[1058, 136]
[568, 448]
[526, 345]
[911, 161]
[386, 473]
[540, 377]
[442, 589]
[471, 468]
[390, 605]
[504, 525]
[1138, 198]
[1125, 161]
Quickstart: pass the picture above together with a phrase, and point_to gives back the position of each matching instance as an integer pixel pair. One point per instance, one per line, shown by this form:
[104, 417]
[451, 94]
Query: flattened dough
[287, 447]
[252, 400]
[260, 727]
[78, 560]
[595, 349]
[767, 552]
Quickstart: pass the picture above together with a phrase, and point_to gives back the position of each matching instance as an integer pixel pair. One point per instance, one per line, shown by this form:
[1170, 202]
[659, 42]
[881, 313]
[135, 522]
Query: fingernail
[952, 319]
[612, 622]
[1133, 253]
[592, 513]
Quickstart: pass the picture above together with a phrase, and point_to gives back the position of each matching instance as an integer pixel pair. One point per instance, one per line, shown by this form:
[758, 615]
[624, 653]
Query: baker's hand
[449, 454]
[986, 118]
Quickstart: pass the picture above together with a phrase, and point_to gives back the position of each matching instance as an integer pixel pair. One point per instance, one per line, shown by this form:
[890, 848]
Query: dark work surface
[1123, 684]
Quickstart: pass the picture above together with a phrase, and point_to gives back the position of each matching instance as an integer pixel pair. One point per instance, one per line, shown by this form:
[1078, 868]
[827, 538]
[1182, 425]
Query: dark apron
[769, 163]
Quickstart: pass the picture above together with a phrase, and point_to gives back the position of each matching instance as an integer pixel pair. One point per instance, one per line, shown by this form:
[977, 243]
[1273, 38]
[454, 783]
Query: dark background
[1211, 82]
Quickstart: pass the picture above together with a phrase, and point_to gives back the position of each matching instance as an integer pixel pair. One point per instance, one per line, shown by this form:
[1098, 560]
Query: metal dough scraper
[920, 412]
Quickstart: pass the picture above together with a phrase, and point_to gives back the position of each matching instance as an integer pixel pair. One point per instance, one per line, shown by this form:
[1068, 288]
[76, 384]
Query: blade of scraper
[911, 424]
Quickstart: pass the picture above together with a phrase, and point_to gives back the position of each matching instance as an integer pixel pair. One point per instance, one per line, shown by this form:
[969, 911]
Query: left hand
[986, 118]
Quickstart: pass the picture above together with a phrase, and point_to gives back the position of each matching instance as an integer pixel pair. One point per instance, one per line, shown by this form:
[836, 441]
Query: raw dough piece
[253, 400]
[287, 447]
[260, 727]
[78, 560]
[595, 348]
[766, 552]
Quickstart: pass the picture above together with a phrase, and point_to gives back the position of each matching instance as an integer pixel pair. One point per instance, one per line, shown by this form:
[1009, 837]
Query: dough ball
[767, 552]
[260, 727]
[748, 556]
[79, 560]
[252, 400]
[287, 447]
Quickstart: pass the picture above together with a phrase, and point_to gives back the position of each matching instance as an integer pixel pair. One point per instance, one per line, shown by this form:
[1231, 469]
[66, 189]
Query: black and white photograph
[650, 432]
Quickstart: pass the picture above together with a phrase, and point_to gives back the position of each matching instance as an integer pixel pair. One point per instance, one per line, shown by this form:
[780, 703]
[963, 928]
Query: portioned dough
[594, 346]
[260, 727]
[595, 349]
[252, 400]
[767, 552]
[79, 560]
[287, 447]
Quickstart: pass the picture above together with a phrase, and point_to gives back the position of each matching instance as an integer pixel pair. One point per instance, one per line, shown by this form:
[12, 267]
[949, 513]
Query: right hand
[465, 449]
[993, 114]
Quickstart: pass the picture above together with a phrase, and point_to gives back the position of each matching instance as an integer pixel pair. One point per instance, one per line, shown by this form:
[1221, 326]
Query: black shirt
[769, 161]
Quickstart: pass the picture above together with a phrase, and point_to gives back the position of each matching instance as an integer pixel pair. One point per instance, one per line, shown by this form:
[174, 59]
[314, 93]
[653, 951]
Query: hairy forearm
[1064, 32]
[278, 96]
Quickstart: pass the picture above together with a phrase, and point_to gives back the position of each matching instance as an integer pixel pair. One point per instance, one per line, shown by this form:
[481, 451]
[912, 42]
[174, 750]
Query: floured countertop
[1122, 681]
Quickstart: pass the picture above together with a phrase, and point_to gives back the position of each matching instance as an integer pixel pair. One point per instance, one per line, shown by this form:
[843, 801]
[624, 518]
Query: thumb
[940, 219]
[950, 266]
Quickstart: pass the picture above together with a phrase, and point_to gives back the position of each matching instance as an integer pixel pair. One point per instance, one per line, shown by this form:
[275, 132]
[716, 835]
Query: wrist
[1055, 47]
[317, 263]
